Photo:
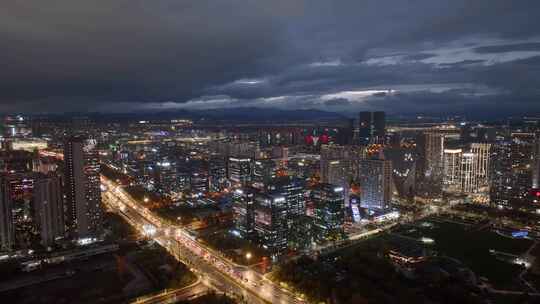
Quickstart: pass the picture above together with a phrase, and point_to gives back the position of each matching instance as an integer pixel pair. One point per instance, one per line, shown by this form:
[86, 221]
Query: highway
[214, 270]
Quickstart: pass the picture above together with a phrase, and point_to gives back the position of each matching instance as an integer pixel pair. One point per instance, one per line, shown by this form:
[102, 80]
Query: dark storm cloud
[65, 55]
[337, 102]
[508, 48]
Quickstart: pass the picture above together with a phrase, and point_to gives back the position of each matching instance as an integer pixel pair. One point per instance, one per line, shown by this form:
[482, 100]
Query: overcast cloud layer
[414, 56]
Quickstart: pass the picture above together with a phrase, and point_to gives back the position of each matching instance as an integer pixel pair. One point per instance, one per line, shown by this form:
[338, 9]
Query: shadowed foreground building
[6, 218]
[49, 208]
[84, 214]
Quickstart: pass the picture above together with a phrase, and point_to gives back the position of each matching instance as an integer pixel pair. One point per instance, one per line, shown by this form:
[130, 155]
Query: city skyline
[430, 57]
[256, 152]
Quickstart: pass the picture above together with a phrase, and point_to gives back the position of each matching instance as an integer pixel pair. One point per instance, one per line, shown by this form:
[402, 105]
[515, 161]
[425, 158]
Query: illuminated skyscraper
[372, 127]
[49, 208]
[434, 147]
[271, 222]
[294, 192]
[84, 214]
[264, 171]
[217, 174]
[452, 170]
[167, 176]
[481, 152]
[511, 177]
[469, 182]
[329, 215]
[338, 166]
[243, 206]
[239, 170]
[375, 183]
[403, 169]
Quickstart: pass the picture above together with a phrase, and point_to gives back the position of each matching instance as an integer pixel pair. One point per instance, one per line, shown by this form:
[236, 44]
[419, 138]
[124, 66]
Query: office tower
[403, 169]
[469, 182]
[243, 206]
[294, 192]
[199, 181]
[329, 215]
[217, 174]
[346, 133]
[430, 146]
[236, 149]
[167, 177]
[7, 234]
[372, 127]
[264, 171]
[49, 208]
[481, 166]
[271, 223]
[338, 166]
[375, 183]
[239, 170]
[501, 179]
[511, 171]
[84, 214]
[452, 170]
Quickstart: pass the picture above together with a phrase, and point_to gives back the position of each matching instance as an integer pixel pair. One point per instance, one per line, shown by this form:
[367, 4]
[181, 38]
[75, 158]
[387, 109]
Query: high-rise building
[501, 179]
[481, 152]
[49, 208]
[434, 147]
[338, 166]
[243, 206]
[7, 234]
[294, 192]
[469, 182]
[84, 214]
[372, 127]
[239, 170]
[198, 181]
[403, 169]
[466, 172]
[264, 171]
[167, 176]
[375, 183]
[346, 133]
[452, 170]
[271, 222]
[511, 177]
[329, 215]
[217, 174]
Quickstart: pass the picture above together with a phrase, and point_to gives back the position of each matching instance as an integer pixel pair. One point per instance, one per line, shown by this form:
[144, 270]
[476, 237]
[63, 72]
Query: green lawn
[472, 247]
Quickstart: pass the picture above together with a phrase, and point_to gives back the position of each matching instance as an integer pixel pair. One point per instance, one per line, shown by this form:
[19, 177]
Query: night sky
[415, 56]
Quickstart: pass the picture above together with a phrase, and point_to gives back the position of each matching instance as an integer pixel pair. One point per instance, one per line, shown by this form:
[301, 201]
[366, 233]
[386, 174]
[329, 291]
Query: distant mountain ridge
[241, 114]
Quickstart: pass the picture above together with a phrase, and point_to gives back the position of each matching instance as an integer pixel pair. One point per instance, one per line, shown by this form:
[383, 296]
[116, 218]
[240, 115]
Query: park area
[471, 246]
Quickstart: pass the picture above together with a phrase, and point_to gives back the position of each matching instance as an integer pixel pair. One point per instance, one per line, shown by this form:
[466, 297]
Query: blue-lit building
[375, 183]
[243, 206]
[271, 224]
[329, 215]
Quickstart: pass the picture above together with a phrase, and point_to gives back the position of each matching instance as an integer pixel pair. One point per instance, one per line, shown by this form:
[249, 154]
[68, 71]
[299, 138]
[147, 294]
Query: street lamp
[248, 255]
